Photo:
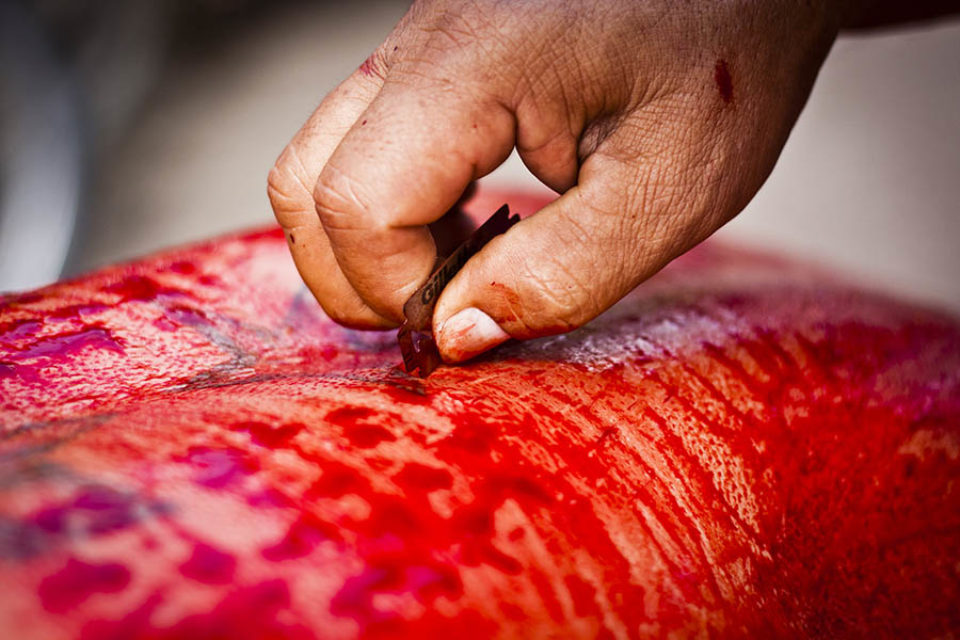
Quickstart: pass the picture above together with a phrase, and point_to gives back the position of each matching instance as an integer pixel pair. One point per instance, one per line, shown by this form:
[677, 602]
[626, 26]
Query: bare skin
[657, 121]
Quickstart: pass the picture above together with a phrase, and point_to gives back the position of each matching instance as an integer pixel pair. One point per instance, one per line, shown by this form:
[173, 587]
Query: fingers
[548, 274]
[406, 161]
[290, 187]
[627, 217]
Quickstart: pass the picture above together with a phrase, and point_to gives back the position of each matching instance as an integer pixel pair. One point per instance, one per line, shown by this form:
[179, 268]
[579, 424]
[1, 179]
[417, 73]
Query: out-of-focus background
[131, 125]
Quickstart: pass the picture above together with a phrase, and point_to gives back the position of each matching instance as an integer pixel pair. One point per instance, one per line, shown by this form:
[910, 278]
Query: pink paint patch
[367, 67]
[209, 565]
[79, 580]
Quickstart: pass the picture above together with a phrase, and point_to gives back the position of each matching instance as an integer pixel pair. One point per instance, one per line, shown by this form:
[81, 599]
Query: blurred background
[131, 125]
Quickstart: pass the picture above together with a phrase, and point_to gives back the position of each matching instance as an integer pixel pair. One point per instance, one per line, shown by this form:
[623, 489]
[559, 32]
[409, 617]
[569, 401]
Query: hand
[656, 120]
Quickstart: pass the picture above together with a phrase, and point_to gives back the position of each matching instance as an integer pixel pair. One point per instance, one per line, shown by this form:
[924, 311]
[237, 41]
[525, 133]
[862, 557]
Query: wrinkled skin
[743, 446]
[657, 120]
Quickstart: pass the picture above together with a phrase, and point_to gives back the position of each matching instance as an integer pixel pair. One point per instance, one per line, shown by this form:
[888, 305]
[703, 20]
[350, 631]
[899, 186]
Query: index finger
[404, 163]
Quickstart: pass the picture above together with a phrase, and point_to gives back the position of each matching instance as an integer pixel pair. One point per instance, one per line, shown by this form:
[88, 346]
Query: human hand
[656, 120]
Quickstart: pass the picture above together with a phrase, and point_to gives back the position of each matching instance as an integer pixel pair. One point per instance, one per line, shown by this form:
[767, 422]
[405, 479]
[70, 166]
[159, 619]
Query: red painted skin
[743, 446]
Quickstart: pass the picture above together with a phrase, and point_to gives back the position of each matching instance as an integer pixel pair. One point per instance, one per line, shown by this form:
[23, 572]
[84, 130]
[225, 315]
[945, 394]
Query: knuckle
[445, 40]
[288, 196]
[377, 64]
[282, 200]
[339, 200]
[454, 28]
[278, 187]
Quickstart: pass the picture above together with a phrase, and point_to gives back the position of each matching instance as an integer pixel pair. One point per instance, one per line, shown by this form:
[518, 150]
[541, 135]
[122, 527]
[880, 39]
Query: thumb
[557, 270]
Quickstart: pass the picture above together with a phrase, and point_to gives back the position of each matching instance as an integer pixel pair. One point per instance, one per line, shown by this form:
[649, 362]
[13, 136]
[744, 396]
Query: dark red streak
[721, 76]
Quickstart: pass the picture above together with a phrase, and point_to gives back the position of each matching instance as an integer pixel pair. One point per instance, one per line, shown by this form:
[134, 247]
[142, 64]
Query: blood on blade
[415, 337]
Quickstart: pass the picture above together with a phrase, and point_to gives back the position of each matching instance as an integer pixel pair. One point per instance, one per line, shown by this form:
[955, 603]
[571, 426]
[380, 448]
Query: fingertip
[547, 275]
[403, 170]
[468, 333]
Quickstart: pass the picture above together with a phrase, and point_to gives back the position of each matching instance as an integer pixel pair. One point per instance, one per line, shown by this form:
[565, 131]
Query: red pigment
[268, 435]
[219, 468]
[367, 67]
[247, 613]
[15, 330]
[721, 75]
[95, 510]
[368, 436]
[738, 448]
[338, 480]
[61, 345]
[76, 311]
[420, 477]
[270, 498]
[354, 422]
[387, 574]
[209, 565]
[137, 287]
[184, 267]
[79, 580]
[301, 539]
[350, 415]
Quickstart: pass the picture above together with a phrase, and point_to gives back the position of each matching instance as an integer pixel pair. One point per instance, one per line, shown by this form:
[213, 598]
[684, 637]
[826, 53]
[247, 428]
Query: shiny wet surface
[743, 446]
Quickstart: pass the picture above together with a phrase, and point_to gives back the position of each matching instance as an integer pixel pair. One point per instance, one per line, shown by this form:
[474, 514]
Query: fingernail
[468, 333]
